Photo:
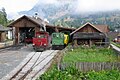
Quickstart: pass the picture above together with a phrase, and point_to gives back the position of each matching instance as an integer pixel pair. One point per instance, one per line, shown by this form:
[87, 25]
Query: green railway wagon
[59, 40]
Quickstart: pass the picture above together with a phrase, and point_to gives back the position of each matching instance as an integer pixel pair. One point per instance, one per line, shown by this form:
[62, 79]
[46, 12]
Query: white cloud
[81, 5]
[48, 1]
[84, 5]
[13, 15]
[97, 5]
[17, 5]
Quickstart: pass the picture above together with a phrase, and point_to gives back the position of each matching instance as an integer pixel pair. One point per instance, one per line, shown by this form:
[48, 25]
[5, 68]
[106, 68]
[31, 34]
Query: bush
[72, 73]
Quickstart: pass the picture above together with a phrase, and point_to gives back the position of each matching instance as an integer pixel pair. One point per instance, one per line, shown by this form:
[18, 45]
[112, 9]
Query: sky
[97, 5]
[14, 6]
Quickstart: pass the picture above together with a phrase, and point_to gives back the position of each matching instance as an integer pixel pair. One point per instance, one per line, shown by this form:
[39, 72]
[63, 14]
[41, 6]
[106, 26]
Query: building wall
[3, 36]
[88, 29]
[24, 23]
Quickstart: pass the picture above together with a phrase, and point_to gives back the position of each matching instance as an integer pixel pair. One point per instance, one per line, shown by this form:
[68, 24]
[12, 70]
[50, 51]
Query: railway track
[33, 64]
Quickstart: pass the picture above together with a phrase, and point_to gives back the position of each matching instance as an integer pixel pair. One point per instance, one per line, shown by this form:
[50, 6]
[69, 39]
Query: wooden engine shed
[26, 25]
[90, 34]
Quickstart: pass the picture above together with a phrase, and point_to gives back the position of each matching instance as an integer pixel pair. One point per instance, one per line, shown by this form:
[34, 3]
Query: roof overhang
[80, 35]
[12, 24]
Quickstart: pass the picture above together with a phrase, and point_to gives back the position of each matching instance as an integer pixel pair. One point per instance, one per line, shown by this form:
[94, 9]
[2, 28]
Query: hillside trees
[110, 18]
[3, 17]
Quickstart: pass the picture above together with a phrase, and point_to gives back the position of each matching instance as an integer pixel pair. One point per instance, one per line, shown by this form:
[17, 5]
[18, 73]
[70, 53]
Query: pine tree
[3, 17]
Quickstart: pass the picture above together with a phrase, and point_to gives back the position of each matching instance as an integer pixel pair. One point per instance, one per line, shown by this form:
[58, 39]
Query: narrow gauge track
[32, 65]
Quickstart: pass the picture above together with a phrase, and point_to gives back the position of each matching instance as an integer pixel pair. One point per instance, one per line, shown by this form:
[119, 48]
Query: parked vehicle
[41, 41]
[59, 40]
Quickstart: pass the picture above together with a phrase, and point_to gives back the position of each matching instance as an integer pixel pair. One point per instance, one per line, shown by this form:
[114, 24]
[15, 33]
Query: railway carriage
[59, 40]
[41, 41]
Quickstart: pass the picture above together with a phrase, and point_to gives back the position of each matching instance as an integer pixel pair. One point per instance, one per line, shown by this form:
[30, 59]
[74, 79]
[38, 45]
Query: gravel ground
[9, 59]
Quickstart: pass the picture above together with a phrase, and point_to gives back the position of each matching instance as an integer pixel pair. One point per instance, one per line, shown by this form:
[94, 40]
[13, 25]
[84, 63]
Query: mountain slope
[51, 11]
[64, 13]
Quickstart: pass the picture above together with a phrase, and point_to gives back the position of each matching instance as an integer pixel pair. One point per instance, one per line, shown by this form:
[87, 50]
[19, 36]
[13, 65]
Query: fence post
[59, 58]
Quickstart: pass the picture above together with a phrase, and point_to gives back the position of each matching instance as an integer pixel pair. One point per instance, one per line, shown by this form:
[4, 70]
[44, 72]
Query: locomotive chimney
[36, 15]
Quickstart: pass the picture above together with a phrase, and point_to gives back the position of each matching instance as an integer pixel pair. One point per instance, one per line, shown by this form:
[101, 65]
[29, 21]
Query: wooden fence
[88, 66]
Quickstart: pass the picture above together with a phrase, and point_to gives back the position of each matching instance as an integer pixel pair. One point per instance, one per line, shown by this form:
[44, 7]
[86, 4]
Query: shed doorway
[26, 34]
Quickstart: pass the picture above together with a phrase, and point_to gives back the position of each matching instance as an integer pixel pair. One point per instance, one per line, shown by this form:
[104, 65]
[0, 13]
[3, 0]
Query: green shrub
[104, 75]
[72, 73]
[67, 74]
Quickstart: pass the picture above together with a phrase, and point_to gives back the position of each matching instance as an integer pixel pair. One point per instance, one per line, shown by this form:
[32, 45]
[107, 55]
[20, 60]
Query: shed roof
[38, 21]
[2, 28]
[112, 35]
[103, 28]
[100, 28]
[59, 27]
[95, 35]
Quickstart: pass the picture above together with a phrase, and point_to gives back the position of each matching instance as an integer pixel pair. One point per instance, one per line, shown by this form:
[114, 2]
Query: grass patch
[90, 55]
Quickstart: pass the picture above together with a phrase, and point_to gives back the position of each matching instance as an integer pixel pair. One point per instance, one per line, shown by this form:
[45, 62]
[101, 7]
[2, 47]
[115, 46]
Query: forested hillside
[3, 18]
[111, 18]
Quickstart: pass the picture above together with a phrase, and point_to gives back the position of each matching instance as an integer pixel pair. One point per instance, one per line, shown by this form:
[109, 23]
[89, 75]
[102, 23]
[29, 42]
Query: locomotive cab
[40, 41]
[59, 40]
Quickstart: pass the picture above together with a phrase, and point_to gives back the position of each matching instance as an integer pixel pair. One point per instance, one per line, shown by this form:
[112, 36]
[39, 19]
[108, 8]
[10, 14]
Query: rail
[31, 66]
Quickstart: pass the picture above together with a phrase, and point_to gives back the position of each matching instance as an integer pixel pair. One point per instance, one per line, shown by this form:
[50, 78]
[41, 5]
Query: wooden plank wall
[88, 29]
[3, 36]
[24, 23]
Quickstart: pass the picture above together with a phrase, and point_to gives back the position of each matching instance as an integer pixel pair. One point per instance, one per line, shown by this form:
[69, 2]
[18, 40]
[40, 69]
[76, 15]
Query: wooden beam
[16, 35]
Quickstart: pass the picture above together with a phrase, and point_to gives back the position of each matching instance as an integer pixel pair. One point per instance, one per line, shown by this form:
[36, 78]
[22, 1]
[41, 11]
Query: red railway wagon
[40, 41]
